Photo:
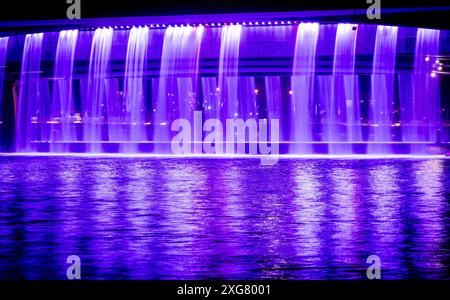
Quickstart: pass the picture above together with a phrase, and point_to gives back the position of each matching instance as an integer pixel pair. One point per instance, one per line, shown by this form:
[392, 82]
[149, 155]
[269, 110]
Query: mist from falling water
[134, 87]
[177, 88]
[343, 114]
[95, 106]
[30, 110]
[382, 89]
[3, 52]
[63, 105]
[303, 88]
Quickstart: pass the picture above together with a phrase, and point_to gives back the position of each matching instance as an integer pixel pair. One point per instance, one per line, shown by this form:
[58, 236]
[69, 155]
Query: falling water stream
[96, 105]
[303, 87]
[134, 86]
[228, 71]
[426, 102]
[383, 71]
[63, 106]
[3, 52]
[109, 103]
[343, 103]
[177, 89]
[31, 108]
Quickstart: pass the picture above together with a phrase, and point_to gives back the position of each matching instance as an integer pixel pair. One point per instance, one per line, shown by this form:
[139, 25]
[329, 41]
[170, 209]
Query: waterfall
[425, 107]
[382, 89]
[229, 70]
[134, 86]
[3, 51]
[335, 89]
[31, 110]
[303, 87]
[343, 113]
[63, 106]
[95, 107]
[177, 88]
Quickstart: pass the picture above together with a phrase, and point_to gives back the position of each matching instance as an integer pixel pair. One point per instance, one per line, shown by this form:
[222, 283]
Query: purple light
[181, 54]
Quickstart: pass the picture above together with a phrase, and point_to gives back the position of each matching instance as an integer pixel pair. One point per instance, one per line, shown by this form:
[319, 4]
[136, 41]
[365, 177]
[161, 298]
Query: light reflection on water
[149, 218]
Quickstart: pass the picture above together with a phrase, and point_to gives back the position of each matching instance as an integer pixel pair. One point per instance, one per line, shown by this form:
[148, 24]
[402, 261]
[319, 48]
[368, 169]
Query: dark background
[56, 9]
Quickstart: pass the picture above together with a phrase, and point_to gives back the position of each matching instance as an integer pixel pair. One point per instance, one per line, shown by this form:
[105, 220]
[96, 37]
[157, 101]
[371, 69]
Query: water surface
[191, 218]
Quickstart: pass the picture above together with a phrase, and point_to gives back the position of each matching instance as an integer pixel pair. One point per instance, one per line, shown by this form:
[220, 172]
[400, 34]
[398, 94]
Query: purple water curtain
[95, 106]
[382, 89]
[3, 52]
[177, 88]
[303, 88]
[426, 100]
[134, 87]
[32, 111]
[343, 107]
[210, 69]
[63, 106]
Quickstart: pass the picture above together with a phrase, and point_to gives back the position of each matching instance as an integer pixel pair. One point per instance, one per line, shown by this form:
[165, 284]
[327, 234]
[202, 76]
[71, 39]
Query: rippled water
[150, 218]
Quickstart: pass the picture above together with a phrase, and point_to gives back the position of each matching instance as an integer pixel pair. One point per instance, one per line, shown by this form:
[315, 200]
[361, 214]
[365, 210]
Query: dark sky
[56, 9]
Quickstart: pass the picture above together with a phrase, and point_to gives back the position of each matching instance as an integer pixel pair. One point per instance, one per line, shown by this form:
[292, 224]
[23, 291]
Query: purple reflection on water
[149, 218]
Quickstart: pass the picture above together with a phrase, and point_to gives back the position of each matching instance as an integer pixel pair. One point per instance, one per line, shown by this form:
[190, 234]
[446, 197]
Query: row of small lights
[437, 67]
[219, 24]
